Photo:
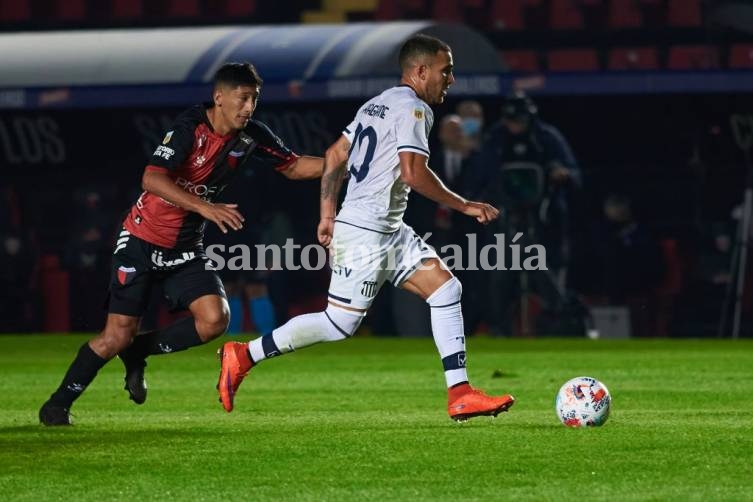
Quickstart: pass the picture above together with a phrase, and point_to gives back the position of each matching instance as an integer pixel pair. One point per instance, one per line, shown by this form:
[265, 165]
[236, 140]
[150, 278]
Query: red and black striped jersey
[201, 162]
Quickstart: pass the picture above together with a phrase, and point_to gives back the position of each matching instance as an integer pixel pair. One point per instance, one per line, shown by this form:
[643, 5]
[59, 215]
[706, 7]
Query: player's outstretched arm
[223, 215]
[332, 179]
[305, 168]
[416, 174]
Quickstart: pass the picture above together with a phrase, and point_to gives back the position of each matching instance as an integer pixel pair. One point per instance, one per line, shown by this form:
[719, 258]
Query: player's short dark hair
[418, 46]
[237, 74]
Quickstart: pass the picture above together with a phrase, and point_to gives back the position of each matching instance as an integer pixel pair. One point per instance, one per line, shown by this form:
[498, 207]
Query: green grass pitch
[366, 419]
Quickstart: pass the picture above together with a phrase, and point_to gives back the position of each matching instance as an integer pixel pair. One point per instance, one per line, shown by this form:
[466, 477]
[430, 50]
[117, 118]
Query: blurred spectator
[526, 167]
[19, 258]
[626, 265]
[87, 257]
[472, 120]
[263, 294]
[715, 261]
[631, 264]
[450, 163]
[19, 282]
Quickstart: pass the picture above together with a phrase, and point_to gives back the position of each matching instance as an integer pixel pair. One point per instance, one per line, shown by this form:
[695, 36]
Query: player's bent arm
[158, 183]
[332, 176]
[335, 169]
[305, 168]
[416, 174]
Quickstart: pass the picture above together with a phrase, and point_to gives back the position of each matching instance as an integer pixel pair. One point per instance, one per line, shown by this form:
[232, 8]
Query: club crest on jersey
[168, 137]
[368, 288]
[418, 113]
[232, 158]
[126, 274]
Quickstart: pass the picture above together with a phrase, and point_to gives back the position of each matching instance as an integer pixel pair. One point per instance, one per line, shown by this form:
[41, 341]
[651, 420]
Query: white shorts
[363, 259]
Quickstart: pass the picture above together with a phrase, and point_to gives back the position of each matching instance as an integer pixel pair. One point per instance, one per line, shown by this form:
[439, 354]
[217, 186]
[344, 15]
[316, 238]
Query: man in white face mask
[472, 119]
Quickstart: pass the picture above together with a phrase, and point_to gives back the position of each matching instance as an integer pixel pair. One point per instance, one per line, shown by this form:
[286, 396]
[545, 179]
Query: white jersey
[395, 121]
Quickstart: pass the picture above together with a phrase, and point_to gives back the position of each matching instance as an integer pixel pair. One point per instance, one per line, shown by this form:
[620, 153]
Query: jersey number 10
[361, 134]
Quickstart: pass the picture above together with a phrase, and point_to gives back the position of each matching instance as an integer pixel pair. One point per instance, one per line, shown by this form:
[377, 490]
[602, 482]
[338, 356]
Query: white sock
[332, 325]
[448, 331]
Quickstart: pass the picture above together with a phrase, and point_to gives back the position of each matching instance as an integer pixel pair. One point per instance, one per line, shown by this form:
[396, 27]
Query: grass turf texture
[366, 419]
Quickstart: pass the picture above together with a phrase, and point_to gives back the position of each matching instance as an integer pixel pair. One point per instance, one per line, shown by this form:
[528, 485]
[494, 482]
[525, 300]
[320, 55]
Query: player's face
[439, 78]
[238, 105]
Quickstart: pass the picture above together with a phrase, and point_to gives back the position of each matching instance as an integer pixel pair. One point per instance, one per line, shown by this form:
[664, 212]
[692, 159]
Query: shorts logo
[126, 274]
[368, 288]
[168, 137]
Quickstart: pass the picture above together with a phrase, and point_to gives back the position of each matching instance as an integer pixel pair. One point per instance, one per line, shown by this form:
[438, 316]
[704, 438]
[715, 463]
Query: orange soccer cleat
[476, 403]
[234, 366]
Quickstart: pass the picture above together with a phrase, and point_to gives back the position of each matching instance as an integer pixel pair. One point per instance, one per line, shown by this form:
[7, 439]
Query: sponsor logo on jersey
[418, 113]
[168, 137]
[193, 188]
[126, 274]
[164, 152]
[158, 259]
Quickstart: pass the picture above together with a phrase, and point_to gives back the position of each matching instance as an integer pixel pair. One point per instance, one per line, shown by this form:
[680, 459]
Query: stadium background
[645, 91]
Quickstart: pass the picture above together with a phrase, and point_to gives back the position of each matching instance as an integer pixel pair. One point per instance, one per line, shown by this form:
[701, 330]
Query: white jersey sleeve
[350, 131]
[412, 129]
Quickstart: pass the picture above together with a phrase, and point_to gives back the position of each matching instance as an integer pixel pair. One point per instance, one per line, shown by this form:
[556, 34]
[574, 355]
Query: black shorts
[138, 265]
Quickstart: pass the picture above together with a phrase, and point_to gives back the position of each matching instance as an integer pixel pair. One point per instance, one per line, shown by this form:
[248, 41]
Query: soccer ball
[583, 402]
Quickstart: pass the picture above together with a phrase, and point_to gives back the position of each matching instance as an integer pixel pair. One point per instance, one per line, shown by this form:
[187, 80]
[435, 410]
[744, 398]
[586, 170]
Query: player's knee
[213, 323]
[446, 294]
[342, 323]
[117, 335]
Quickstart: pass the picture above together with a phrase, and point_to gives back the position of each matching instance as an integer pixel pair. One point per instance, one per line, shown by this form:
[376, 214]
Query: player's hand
[223, 215]
[483, 212]
[325, 230]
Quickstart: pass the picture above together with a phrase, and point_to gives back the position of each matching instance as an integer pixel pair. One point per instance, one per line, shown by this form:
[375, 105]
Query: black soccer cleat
[135, 383]
[53, 415]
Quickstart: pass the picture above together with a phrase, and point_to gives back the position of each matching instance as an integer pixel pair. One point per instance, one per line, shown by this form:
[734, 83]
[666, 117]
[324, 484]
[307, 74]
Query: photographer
[526, 167]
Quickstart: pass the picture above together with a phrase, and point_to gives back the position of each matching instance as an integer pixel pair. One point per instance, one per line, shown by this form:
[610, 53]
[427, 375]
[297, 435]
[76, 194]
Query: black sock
[180, 335]
[80, 374]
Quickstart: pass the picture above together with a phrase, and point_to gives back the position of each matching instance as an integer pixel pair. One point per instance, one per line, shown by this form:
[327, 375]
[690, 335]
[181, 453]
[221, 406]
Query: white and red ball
[583, 402]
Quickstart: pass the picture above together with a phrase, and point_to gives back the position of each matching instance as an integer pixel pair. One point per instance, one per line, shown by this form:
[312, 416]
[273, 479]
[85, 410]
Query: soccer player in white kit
[385, 152]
